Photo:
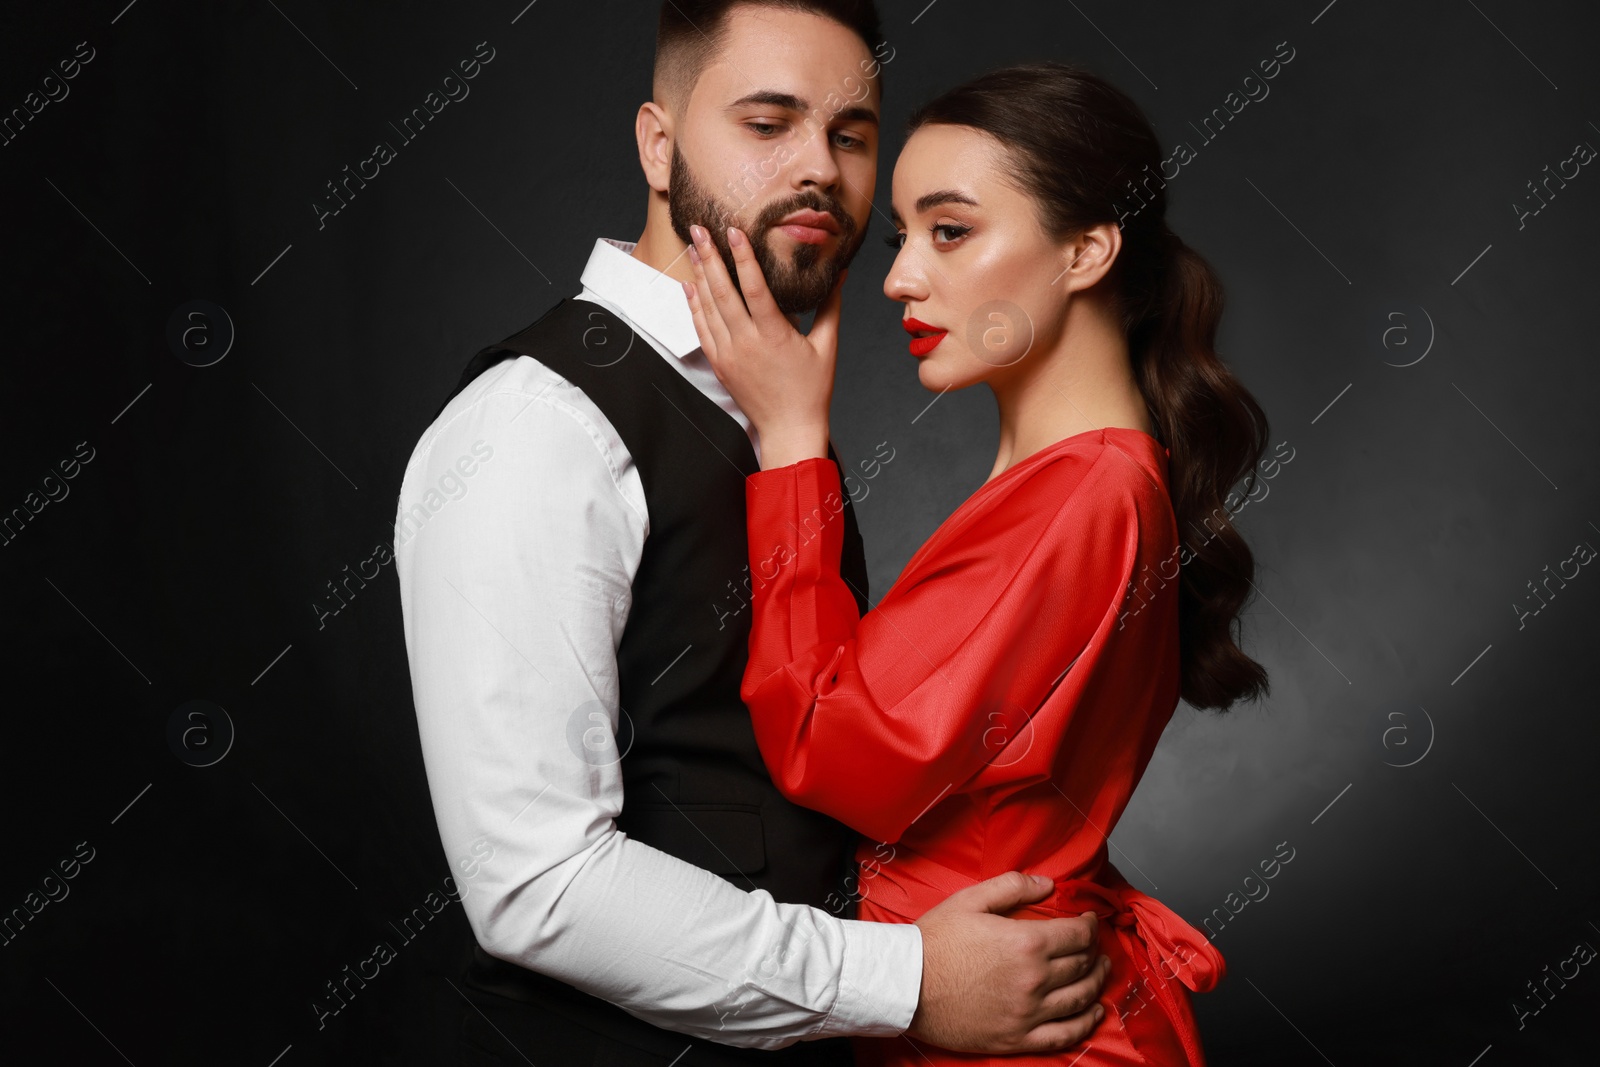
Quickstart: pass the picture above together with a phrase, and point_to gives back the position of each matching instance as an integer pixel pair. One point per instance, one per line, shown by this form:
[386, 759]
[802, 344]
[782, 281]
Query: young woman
[998, 706]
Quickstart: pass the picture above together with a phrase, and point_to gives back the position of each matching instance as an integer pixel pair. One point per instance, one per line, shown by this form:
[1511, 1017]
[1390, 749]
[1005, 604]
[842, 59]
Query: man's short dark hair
[690, 32]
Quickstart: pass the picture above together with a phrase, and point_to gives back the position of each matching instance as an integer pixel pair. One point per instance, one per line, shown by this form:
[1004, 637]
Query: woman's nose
[904, 281]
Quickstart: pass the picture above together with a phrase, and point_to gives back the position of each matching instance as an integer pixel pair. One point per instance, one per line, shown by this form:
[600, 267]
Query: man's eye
[762, 127]
[854, 142]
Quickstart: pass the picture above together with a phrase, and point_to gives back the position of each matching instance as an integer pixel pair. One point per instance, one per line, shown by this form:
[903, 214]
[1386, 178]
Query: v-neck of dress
[950, 526]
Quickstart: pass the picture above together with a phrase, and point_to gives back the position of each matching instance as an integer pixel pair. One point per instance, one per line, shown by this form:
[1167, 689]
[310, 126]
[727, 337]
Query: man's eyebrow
[858, 114]
[934, 199]
[791, 102]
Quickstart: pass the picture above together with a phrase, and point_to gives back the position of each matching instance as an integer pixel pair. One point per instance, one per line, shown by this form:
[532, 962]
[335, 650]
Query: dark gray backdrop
[1422, 345]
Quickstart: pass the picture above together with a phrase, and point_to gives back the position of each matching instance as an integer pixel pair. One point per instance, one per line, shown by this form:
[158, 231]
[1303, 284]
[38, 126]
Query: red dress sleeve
[872, 719]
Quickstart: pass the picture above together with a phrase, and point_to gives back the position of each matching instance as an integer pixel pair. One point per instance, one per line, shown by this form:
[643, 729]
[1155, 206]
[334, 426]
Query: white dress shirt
[520, 526]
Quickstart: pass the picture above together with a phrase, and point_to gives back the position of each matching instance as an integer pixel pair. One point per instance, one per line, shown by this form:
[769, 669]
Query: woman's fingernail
[698, 233]
[694, 256]
[735, 238]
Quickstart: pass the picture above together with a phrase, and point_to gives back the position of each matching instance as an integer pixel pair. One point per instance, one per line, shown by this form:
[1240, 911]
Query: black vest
[695, 785]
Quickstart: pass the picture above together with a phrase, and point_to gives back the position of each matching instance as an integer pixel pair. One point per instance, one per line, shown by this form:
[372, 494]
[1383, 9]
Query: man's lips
[809, 227]
[925, 338]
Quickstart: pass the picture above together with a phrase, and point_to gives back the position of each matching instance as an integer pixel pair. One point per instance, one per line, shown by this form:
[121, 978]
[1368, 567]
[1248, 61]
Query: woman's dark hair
[690, 32]
[1085, 153]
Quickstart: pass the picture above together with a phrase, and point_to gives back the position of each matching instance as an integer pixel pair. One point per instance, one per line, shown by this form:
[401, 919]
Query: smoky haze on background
[217, 370]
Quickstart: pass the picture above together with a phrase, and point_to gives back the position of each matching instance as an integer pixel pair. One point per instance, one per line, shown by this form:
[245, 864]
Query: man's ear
[652, 128]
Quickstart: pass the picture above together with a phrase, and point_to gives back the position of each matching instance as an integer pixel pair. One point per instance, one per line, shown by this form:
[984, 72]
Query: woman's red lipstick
[921, 346]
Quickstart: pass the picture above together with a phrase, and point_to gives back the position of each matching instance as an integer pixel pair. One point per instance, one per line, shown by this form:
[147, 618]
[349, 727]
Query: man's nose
[814, 165]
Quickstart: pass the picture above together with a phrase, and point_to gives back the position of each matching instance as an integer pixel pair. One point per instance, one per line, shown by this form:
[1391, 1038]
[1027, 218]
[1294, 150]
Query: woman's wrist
[783, 445]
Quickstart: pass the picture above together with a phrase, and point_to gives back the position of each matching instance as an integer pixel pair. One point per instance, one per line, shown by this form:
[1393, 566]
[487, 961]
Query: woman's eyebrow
[934, 199]
[943, 196]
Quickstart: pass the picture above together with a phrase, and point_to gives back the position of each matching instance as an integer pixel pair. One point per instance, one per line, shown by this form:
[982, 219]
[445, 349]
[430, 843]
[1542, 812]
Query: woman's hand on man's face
[780, 378]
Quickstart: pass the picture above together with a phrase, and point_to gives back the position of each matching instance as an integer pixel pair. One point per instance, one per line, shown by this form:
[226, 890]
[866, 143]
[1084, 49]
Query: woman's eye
[952, 233]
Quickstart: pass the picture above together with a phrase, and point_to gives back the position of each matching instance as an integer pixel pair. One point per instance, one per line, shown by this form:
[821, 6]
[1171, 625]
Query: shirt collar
[652, 301]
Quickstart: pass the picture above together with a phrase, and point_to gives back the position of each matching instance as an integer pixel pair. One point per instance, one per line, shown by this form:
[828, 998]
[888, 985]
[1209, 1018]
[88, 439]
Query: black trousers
[514, 1017]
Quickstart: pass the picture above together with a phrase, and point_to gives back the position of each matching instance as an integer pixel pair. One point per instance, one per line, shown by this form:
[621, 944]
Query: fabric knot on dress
[1177, 949]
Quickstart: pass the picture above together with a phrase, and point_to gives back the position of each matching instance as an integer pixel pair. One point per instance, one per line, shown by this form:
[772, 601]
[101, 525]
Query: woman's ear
[652, 129]
[1087, 257]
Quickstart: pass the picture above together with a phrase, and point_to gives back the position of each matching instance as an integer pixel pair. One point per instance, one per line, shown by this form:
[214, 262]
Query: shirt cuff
[880, 981]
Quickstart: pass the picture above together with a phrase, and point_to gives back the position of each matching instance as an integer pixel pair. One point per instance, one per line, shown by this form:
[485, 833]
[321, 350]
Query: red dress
[993, 712]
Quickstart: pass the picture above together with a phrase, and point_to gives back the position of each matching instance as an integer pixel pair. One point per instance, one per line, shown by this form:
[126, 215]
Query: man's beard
[799, 283]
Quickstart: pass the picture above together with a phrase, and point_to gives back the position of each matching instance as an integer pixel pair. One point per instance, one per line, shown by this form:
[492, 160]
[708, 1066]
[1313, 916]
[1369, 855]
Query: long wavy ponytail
[1086, 154]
